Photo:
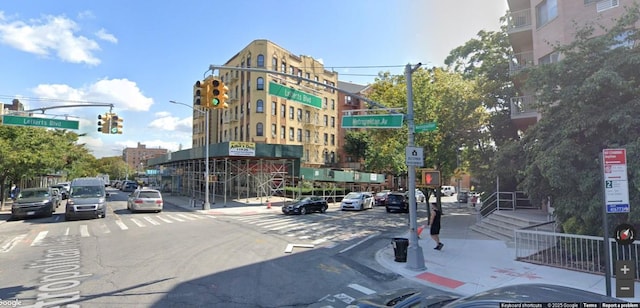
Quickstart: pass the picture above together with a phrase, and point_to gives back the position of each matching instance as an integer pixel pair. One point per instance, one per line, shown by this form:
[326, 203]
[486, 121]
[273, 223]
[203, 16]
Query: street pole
[415, 255]
[207, 205]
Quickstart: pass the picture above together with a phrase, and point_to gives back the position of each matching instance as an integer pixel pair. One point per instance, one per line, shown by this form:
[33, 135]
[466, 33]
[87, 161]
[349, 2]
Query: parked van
[87, 198]
[448, 191]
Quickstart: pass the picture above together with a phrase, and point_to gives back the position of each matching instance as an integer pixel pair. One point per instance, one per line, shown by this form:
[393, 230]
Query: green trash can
[400, 246]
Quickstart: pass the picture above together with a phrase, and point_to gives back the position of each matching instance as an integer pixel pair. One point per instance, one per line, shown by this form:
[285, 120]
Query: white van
[448, 191]
[87, 198]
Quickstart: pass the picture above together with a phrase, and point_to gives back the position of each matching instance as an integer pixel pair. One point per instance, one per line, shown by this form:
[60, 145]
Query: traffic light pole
[415, 255]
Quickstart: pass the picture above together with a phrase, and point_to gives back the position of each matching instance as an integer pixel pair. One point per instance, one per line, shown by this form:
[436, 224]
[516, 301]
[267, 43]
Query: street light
[207, 205]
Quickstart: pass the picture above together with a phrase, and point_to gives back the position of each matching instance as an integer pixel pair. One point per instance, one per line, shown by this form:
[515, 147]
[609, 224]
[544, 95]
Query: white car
[448, 191]
[357, 201]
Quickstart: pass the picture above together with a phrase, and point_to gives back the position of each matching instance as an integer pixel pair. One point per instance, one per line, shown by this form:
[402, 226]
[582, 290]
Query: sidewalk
[470, 262]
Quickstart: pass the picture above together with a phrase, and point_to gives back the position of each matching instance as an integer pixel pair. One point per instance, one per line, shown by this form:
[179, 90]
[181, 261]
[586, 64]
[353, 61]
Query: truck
[105, 179]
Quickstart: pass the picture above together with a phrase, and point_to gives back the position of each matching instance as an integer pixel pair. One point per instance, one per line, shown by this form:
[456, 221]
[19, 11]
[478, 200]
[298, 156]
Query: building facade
[267, 107]
[534, 26]
[136, 158]
[349, 105]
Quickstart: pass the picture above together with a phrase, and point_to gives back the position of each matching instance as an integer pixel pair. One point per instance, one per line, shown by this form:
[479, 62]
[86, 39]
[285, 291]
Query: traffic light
[219, 94]
[431, 178]
[197, 94]
[117, 123]
[104, 123]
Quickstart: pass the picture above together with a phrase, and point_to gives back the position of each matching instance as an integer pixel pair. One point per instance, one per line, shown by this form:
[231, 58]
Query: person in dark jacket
[434, 222]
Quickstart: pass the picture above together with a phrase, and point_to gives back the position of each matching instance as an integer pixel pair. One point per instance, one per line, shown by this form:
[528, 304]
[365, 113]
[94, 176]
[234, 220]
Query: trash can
[400, 246]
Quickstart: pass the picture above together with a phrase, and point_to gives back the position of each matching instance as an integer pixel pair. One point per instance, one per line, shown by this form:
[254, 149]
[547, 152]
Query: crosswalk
[305, 228]
[101, 227]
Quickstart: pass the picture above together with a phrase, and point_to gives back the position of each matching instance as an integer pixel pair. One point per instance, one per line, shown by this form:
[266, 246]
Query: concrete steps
[500, 225]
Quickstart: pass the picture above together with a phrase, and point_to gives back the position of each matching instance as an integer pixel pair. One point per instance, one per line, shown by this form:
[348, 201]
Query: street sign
[616, 185]
[414, 156]
[40, 122]
[373, 121]
[426, 127]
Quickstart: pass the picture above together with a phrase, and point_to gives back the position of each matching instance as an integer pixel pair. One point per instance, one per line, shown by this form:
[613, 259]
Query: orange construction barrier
[268, 205]
[420, 229]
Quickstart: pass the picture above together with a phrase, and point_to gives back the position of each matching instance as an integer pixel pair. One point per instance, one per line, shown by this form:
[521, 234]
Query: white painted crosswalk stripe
[287, 226]
[39, 238]
[84, 231]
[185, 216]
[174, 218]
[362, 289]
[121, 225]
[165, 220]
[150, 220]
[103, 227]
[138, 223]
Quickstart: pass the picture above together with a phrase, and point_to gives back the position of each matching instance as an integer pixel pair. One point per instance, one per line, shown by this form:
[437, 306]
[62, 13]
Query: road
[179, 258]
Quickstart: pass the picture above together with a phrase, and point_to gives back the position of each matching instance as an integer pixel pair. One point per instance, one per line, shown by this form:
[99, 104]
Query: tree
[589, 102]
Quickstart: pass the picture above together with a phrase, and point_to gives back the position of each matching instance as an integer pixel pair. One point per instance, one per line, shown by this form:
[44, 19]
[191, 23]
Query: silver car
[145, 200]
[357, 201]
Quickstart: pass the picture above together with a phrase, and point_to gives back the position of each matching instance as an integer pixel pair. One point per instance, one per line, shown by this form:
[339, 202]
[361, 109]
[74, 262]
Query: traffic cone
[268, 205]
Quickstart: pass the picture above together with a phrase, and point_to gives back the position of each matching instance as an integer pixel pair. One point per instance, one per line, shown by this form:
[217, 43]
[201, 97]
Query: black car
[304, 205]
[463, 197]
[397, 201]
[33, 202]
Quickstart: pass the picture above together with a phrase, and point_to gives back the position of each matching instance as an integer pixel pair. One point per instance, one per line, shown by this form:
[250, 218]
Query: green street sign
[426, 127]
[295, 95]
[40, 122]
[373, 121]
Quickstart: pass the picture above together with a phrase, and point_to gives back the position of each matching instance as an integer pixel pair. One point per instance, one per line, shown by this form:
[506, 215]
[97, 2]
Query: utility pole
[415, 255]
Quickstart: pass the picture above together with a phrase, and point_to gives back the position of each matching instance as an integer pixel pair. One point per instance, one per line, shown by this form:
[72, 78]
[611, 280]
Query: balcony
[520, 61]
[523, 111]
[519, 21]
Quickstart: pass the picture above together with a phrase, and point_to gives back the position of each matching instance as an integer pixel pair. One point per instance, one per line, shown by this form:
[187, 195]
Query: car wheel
[303, 210]
[323, 209]
[67, 217]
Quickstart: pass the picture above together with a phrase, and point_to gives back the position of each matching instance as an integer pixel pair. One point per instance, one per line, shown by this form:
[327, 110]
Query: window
[249, 60]
[333, 121]
[333, 104]
[307, 136]
[299, 114]
[546, 12]
[260, 83]
[333, 139]
[549, 58]
[326, 103]
[325, 120]
[326, 138]
[292, 70]
[274, 108]
[284, 66]
[259, 129]
[259, 106]
[274, 63]
[299, 135]
[241, 134]
[604, 5]
[290, 133]
[274, 130]
[260, 61]
[283, 132]
[291, 113]
[283, 110]
[347, 99]
[307, 76]
[248, 138]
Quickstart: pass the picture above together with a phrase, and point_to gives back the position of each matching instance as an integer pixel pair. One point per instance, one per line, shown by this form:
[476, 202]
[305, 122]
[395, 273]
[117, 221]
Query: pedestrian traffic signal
[431, 178]
[103, 123]
[219, 94]
[197, 94]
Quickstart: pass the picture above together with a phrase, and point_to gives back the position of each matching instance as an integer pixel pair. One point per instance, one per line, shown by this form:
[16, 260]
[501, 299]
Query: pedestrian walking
[434, 222]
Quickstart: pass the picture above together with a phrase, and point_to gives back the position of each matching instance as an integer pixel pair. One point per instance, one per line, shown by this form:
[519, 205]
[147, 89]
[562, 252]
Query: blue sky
[138, 55]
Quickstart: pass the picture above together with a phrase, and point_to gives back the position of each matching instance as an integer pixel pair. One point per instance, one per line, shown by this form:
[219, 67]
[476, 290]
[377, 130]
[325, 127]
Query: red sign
[615, 156]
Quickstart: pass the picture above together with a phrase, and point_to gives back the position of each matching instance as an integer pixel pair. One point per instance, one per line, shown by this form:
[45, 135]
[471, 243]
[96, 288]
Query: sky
[139, 56]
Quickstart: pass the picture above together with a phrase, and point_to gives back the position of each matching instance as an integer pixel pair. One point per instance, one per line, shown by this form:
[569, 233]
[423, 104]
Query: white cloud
[51, 34]
[86, 15]
[106, 36]
[123, 93]
[165, 121]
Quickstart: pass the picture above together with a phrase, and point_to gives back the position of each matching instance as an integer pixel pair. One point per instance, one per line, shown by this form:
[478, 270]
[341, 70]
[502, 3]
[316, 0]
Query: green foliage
[589, 101]
[357, 143]
[114, 166]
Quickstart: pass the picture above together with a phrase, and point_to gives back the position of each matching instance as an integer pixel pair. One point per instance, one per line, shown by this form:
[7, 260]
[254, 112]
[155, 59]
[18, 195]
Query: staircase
[500, 224]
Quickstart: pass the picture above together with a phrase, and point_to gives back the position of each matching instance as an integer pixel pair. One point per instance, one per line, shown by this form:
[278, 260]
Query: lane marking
[103, 227]
[84, 231]
[153, 222]
[135, 221]
[320, 240]
[362, 289]
[175, 218]
[164, 219]
[185, 217]
[39, 238]
[12, 243]
[194, 216]
[121, 225]
[57, 218]
[358, 243]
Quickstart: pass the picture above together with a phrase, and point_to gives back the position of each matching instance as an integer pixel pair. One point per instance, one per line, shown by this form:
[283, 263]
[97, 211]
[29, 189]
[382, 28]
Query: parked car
[306, 204]
[129, 186]
[357, 201]
[381, 197]
[463, 197]
[33, 202]
[448, 191]
[521, 293]
[397, 202]
[145, 200]
[420, 197]
[56, 196]
[64, 189]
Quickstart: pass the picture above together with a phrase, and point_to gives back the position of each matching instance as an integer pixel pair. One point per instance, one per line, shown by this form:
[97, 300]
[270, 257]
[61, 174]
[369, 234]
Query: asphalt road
[179, 258]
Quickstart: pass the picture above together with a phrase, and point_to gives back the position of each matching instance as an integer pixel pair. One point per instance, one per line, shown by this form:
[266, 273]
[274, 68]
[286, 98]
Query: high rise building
[136, 158]
[535, 26]
[266, 107]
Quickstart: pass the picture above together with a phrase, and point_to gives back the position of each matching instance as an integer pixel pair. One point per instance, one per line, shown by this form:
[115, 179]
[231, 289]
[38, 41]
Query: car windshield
[87, 191]
[34, 194]
[353, 195]
[395, 198]
[381, 194]
[303, 199]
